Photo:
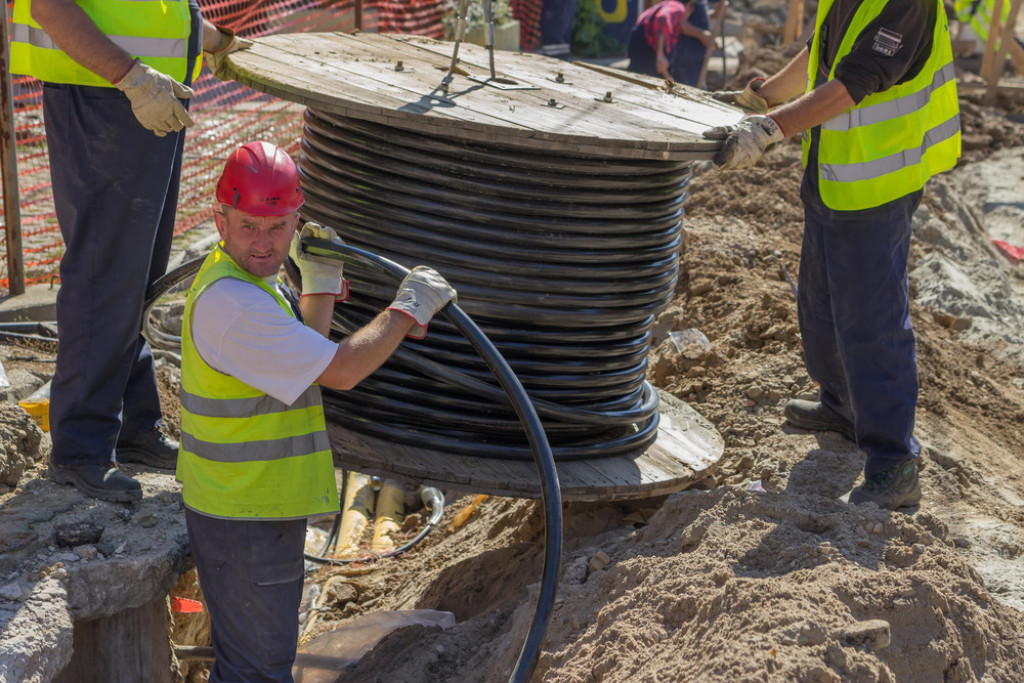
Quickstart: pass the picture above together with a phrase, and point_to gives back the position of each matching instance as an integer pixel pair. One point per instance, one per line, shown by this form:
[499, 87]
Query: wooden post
[1005, 39]
[9, 165]
[794, 21]
[994, 29]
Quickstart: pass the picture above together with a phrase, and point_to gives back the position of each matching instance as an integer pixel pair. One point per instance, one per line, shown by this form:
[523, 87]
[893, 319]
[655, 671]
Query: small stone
[755, 392]
[87, 552]
[80, 532]
[574, 623]
[873, 634]
[147, 521]
[599, 561]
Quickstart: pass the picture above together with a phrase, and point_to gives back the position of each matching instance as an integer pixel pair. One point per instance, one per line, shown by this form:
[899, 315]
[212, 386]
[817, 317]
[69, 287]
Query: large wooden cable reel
[581, 124]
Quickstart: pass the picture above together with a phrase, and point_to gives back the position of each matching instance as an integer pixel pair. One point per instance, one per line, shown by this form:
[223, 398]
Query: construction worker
[977, 15]
[670, 40]
[115, 92]
[876, 102]
[255, 460]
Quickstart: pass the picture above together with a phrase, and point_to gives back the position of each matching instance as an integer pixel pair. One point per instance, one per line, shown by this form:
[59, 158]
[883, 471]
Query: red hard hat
[260, 179]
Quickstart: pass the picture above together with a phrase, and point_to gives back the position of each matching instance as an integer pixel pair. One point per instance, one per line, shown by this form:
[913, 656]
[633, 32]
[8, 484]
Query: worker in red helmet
[255, 459]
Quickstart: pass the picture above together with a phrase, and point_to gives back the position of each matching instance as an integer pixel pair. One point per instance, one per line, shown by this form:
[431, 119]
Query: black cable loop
[563, 261]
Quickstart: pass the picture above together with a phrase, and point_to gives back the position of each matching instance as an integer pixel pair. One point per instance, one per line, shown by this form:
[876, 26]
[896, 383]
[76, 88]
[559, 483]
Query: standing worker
[879, 104]
[116, 79]
[670, 40]
[255, 458]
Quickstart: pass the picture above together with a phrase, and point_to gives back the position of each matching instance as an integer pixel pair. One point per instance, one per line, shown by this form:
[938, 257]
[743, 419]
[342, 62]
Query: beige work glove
[746, 142]
[320, 274]
[421, 295]
[215, 58]
[747, 98]
[156, 99]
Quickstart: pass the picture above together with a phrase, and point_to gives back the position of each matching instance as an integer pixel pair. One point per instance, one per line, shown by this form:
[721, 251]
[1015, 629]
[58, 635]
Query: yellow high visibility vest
[889, 144]
[245, 454]
[978, 15]
[155, 31]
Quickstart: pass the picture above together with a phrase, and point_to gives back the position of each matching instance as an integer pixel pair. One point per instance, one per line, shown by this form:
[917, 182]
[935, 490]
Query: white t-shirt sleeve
[240, 330]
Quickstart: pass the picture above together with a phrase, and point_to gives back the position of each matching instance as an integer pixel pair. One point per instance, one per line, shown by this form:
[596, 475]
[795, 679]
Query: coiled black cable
[563, 262]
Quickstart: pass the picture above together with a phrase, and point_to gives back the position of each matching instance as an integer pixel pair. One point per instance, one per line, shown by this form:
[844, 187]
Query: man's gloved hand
[745, 143]
[747, 98]
[215, 58]
[155, 99]
[421, 295]
[320, 274]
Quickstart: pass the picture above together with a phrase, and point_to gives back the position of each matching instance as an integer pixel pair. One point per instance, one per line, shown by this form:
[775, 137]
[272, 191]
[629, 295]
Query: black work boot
[816, 416]
[105, 482]
[152, 449]
[896, 487]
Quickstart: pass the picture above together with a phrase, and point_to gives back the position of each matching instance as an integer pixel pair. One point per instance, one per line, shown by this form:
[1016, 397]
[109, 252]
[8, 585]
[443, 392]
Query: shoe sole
[93, 492]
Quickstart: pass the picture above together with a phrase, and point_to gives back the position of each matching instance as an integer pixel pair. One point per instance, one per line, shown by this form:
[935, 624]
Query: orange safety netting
[227, 114]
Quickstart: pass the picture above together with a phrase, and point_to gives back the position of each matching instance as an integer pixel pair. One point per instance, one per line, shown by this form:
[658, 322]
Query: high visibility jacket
[889, 144]
[978, 14]
[245, 454]
[155, 31]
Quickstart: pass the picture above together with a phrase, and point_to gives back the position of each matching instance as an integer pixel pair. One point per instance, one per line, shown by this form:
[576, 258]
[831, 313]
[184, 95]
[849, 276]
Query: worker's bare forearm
[213, 38]
[788, 83]
[77, 35]
[366, 350]
[814, 108]
[317, 312]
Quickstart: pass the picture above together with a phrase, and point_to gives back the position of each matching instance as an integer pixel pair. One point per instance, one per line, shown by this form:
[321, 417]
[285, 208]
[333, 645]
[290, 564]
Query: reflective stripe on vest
[245, 454]
[155, 31]
[887, 146]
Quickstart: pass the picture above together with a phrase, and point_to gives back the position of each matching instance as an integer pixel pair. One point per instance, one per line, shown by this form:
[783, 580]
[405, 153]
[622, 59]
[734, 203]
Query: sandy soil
[761, 574]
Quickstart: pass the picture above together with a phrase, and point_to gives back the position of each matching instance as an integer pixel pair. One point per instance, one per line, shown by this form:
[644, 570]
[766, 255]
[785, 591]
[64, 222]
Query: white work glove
[421, 295]
[215, 58]
[320, 274]
[746, 142]
[747, 98]
[156, 99]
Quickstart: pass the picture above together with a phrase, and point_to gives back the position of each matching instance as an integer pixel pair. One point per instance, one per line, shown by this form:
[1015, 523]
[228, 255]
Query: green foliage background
[588, 37]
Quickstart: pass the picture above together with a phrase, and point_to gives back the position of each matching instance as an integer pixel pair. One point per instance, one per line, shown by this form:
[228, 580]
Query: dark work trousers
[556, 20]
[251, 574]
[854, 312]
[688, 56]
[115, 188]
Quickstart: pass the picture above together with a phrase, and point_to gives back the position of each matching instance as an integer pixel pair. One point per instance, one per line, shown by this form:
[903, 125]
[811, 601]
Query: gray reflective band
[848, 173]
[884, 111]
[144, 47]
[247, 407]
[257, 451]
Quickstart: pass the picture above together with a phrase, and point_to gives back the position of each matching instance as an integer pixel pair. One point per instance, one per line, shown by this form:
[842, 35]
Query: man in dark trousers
[255, 458]
[116, 79]
[670, 40]
[875, 96]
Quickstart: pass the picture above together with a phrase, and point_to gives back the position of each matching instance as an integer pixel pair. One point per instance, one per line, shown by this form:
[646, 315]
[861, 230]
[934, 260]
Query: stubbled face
[259, 244]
